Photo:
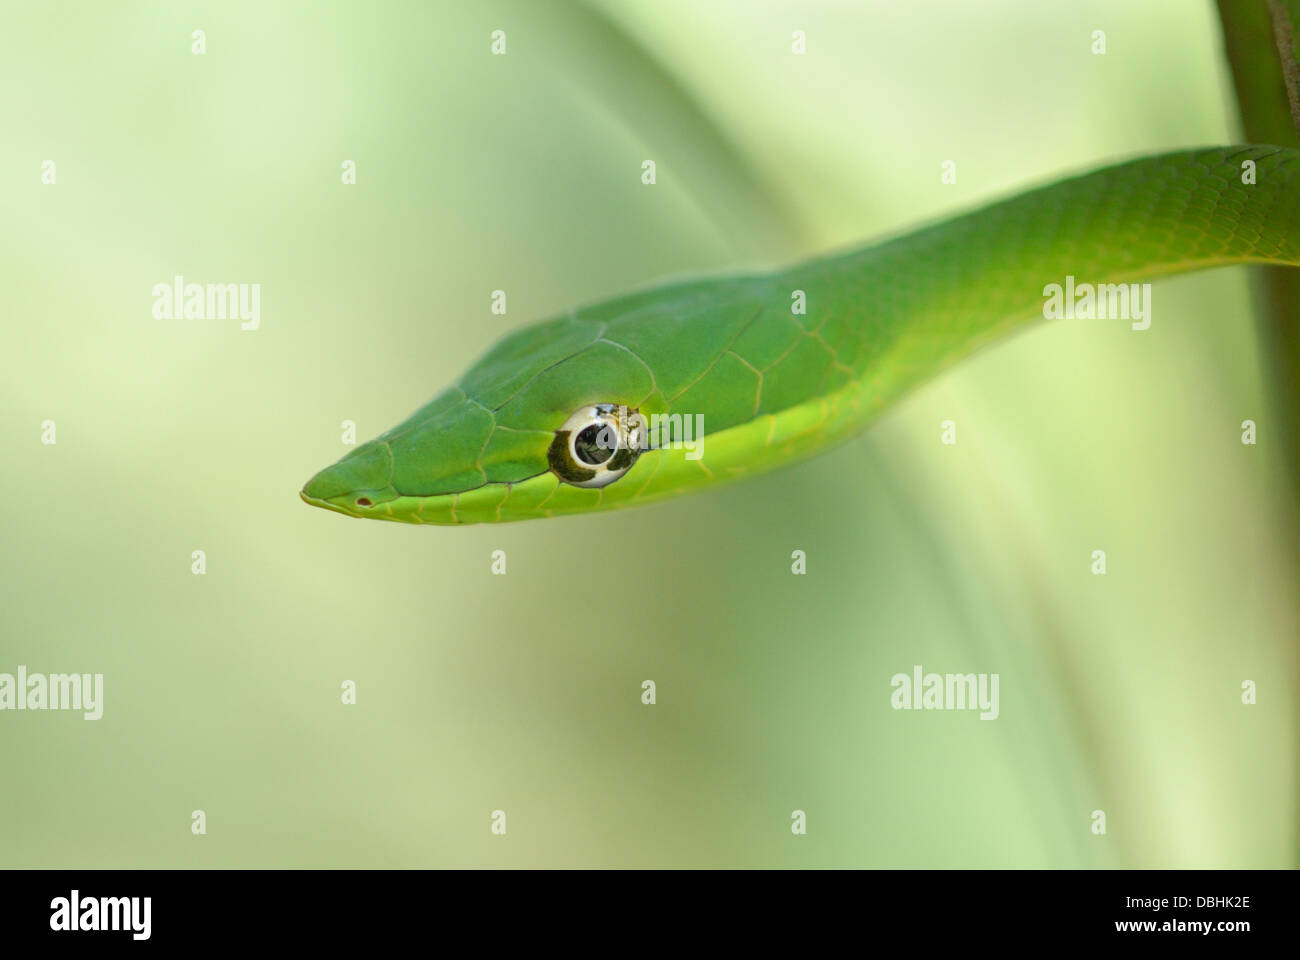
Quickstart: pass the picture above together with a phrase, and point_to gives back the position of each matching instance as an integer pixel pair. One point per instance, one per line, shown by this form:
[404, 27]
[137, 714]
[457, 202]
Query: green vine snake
[551, 421]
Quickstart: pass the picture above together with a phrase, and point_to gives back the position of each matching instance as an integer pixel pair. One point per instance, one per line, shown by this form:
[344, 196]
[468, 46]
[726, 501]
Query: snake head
[568, 416]
[452, 463]
[550, 409]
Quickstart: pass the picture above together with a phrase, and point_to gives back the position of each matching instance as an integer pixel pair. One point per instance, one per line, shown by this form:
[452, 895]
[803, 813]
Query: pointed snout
[354, 484]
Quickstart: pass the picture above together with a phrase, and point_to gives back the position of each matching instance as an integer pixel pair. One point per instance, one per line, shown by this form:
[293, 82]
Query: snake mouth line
[317, 502]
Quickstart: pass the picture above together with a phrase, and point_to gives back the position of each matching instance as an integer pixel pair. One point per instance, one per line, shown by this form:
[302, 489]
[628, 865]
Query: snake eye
[597, 445]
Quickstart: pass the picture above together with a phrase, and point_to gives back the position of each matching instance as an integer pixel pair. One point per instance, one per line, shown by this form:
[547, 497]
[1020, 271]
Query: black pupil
[594, 444]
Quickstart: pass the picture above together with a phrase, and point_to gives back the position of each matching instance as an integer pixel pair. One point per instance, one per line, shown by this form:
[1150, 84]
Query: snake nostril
[363, 502]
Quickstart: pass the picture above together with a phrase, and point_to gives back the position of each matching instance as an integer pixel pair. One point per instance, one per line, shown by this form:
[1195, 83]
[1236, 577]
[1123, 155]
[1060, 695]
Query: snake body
[772, 385]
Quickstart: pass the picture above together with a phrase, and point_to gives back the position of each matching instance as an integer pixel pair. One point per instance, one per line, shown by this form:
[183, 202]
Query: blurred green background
[479, 692]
